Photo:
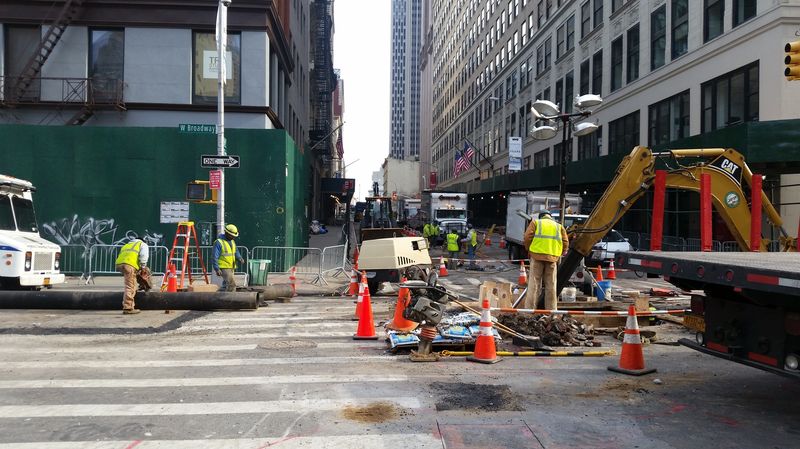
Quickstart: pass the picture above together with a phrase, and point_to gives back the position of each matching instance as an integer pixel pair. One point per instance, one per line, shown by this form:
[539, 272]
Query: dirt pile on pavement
[554, 330]
[375, 412]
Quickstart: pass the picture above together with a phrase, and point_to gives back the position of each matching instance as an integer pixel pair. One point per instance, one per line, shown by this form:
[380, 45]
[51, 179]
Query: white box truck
[26, 259]
[531, 203]
[448, 208]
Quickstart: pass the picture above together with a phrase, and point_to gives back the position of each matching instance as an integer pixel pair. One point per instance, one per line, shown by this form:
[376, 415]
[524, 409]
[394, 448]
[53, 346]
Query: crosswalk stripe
[124, 348]
[198, 381]
[195, 408]
[288, 317]
[213, 327]
[473, 281]
[385, 441]
[47, 364]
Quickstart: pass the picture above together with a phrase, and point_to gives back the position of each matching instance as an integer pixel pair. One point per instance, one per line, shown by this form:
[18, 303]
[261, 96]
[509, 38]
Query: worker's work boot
[130, 311]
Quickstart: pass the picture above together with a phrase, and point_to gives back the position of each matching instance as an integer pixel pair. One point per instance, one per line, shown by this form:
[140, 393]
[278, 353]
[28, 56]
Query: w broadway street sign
[215, 161]
[197, 128]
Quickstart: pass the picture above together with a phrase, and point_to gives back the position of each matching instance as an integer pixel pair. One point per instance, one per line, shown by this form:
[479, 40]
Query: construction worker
[431, 232]
[546, 241]
[132, 263]
[452, 247]
[471, 241]
[225, 257]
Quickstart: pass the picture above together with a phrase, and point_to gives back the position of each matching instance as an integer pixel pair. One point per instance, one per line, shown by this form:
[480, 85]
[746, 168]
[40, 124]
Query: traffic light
[792, 61]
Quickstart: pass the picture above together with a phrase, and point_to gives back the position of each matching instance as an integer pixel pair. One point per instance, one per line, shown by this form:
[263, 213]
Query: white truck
[26, 259]
[448, 208]
[530, 203]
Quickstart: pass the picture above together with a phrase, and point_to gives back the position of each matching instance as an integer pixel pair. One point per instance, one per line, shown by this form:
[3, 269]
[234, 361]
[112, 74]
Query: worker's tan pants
[542, 273]
[130, 285]
[228, 281]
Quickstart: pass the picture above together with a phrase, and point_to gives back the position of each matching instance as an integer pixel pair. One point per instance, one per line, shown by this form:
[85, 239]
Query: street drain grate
[286, 344]
[461, 396]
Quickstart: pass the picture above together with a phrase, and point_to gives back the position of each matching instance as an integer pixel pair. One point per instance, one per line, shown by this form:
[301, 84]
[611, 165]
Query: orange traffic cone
[172, 279]
[353, 284]
[366, 326]
[442, 268]
[487, 241]
[523, 275]
[612, 273]
[502, 243]
[399, 323]
[485, 351]
[293, 280]
[631, 361]
[598, 273]
[355, 257]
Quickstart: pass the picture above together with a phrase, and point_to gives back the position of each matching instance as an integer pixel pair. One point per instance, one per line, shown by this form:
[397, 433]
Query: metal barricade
[75, 260]
[333, 261]
[731, 247]
[307, 261]
[207, 253]
[102, 260]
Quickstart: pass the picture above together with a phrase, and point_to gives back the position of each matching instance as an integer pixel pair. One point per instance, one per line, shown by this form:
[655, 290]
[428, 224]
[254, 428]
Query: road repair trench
[479, 397]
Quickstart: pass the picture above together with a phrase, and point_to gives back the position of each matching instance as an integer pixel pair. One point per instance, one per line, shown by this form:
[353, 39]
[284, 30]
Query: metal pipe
[85, 300]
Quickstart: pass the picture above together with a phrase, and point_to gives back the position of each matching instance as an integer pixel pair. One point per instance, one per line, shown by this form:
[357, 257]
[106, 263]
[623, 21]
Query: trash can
[258, 269]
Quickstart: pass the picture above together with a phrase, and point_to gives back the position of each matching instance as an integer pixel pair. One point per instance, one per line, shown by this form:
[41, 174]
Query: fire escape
[324, 79]
[89, 93]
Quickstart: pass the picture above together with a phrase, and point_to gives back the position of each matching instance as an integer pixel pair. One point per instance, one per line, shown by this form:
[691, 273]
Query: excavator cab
[379, 219]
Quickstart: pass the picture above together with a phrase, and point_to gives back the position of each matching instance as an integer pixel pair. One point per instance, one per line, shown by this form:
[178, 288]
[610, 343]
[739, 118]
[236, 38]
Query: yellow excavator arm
[636, 174]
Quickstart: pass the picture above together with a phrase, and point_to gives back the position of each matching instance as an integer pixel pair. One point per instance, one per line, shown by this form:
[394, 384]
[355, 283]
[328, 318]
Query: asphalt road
[290, 376]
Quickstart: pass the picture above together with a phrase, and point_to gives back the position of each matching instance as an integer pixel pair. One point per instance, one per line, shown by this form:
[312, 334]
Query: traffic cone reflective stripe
[598, 273]
[353, 283]
[485, 351]
[172, 279]
[442, 268]
[366, 326]
[523, 275]
[631, 360]
[399, 323]
[612, 273]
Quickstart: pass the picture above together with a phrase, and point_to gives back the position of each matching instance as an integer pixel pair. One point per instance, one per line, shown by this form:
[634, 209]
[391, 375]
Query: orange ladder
[181, 255]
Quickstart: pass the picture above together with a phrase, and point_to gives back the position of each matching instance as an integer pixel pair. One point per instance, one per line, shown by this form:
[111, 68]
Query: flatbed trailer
[749, 311]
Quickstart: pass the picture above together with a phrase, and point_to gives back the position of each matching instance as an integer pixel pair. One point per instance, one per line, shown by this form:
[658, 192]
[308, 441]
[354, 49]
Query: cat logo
[728, 167]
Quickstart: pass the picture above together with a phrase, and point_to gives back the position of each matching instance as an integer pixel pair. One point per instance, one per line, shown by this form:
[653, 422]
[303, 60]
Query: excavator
[636, 174]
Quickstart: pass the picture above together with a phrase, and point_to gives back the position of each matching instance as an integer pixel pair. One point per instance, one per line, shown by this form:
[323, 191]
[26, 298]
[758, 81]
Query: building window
[669, 119]
[713, 19]
[616, 4]
[586, 18]
[616, 64]
[560, 94]
[20, 44]
[743, 10]
[589, 146]
[526, 163]
[569, 91]
[557, 153]
[597, 14]
[106, 62]
[584, 76]
[541, 159]
[658, 37]
[680, 27]
[528, 119]
[541, 13]
[597, 73]
[565, 37]
[543, 55]
[730, 99]
[204, 65]
[633, 53]
[623, 134]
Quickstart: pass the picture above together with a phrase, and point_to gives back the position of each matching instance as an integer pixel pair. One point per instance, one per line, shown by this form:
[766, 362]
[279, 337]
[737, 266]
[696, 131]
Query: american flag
[462, 164]
[339, 145]
[469, 152]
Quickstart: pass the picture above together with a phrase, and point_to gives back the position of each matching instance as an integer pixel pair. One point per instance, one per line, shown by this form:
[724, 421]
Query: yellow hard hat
[232, 230]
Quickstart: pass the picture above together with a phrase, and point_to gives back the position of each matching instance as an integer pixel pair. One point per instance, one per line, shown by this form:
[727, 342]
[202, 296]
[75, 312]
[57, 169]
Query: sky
[362, 51]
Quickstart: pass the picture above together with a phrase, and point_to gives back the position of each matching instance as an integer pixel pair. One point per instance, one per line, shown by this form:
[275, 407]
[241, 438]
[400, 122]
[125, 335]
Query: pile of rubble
[554, 330]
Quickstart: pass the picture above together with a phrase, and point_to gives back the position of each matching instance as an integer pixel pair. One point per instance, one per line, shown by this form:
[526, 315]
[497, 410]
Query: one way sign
[215, 161]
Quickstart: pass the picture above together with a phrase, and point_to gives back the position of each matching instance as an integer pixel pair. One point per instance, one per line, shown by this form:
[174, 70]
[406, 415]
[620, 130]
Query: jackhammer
[426, 307]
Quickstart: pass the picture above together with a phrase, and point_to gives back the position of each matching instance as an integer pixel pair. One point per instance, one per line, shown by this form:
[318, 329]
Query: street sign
[174, 211]
[197, 128]
[215, 161]
[214, 177]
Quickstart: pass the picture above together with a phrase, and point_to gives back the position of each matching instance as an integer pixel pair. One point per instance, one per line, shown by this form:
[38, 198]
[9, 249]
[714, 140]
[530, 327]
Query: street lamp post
[550, 113]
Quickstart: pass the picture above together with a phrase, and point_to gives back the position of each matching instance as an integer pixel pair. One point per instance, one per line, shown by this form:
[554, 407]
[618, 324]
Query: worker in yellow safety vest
[225, 257]
[546, 241]
[471, 240]
[132, 263]
[452, 247]
[431, 232]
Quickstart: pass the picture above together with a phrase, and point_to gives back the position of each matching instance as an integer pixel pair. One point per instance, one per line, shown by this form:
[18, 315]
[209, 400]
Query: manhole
[374, 413]
[461, 396]
[286, 344]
